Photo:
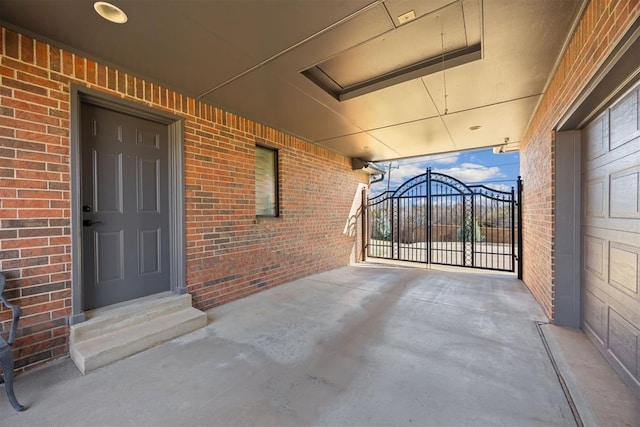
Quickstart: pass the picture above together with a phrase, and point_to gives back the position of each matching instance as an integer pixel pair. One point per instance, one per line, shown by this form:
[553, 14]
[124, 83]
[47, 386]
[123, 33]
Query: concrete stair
[115, 332]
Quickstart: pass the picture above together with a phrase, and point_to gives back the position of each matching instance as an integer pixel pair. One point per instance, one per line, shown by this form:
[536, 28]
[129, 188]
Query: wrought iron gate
[437, 219]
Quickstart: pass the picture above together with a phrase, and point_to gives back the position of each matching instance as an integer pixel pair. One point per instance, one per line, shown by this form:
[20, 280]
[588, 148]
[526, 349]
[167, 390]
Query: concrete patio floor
[362, 345]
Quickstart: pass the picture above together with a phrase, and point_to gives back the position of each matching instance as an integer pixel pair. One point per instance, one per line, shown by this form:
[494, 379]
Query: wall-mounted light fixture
[368, 167]
[507, 147]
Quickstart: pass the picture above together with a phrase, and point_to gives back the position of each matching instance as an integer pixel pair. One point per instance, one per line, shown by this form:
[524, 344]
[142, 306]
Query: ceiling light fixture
[406, 17]
[110, 12]
[474, 127]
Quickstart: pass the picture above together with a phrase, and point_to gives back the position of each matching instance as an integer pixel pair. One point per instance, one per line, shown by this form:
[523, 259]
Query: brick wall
[601, 26]
[230, 253]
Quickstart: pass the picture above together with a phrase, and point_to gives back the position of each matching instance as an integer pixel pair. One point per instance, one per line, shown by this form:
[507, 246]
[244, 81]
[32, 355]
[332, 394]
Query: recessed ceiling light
[110, 12]
[475, 127]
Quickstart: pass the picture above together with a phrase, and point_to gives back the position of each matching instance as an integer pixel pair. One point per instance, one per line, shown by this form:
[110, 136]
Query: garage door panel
[624, 121]
[593, 314]
[624, 267]
[596, 137]
[598, 307]
[613, 162]
[624, 303]
[623, 341]
[622, 157]
[624, 193]
[611, 234]
[594, 256]
[598, 289]
[612, 191]
[597, 226]
[595, 197]
[612, 296]
[600, 229]
[612, 263]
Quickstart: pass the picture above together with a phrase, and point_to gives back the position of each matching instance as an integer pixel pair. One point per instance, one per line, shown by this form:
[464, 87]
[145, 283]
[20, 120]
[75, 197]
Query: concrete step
[104, 320]
[99, 343]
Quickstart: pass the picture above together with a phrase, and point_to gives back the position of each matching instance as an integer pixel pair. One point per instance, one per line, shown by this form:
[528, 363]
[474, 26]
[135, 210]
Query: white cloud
[405, 172]
[409, 168]
[471, 172]
[443, 159]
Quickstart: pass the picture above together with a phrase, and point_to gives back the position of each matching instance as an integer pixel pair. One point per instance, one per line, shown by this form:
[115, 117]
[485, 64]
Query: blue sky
[498, 171]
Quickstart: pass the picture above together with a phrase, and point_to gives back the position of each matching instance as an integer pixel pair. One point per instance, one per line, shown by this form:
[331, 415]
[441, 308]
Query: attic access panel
[434, 42]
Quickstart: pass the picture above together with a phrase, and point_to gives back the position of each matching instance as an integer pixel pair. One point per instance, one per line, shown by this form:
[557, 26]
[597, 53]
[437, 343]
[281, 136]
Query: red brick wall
[230, 254]
[601, 26]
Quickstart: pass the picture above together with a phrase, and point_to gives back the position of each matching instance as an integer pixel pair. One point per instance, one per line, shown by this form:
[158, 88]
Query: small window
[266, 181]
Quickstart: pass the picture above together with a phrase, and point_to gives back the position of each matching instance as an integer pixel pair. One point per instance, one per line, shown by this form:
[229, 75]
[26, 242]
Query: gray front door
[125, 239]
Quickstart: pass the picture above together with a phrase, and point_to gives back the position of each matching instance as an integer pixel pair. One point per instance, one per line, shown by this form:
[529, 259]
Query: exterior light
[110, 12]
[507, 147]
[406, 17]
[366, 166]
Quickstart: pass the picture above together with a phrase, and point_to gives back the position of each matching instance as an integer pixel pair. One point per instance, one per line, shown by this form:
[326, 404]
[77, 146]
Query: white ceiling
[247, 56]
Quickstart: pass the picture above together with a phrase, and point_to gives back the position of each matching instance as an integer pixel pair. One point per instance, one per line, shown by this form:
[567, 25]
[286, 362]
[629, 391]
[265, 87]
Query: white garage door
[611, 234]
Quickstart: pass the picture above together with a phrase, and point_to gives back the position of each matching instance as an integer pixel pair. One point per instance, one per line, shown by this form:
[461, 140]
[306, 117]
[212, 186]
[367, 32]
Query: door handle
[89, 223]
